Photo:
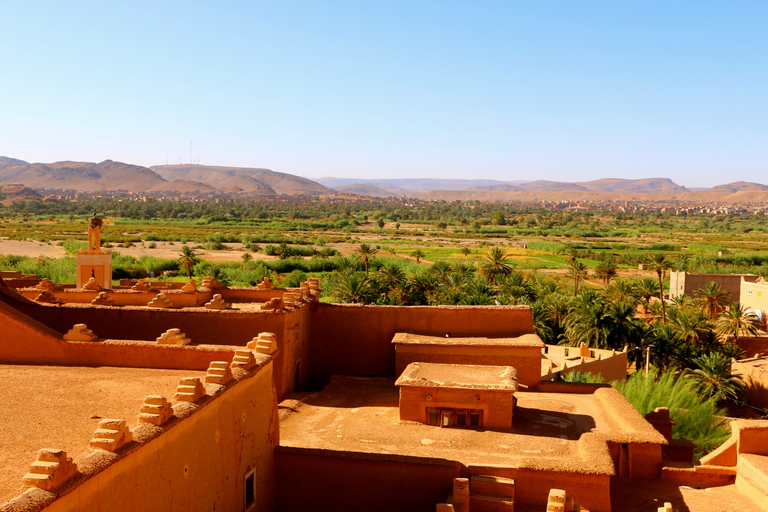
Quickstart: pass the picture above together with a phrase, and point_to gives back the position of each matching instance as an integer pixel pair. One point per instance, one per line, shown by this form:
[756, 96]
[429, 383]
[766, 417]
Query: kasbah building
[162, 397]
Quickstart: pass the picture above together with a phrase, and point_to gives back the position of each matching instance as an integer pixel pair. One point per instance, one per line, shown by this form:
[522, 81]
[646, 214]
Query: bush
[696, 419]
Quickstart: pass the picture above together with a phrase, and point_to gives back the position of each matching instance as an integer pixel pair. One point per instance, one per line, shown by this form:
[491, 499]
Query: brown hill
[184, 187]
[641, 186]
[17, 192]
[85, 176]
[244, 179]
[739, 186]
[550, 186]
[367, 189]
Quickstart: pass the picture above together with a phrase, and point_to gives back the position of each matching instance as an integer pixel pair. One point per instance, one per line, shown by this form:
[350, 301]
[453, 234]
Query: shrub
[696, 419]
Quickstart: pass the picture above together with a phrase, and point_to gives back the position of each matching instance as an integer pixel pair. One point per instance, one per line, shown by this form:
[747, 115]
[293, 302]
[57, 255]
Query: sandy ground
[234, 252]
[59, 407]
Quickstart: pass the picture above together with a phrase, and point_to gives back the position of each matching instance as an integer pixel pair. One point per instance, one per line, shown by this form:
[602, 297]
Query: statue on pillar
[94, 234]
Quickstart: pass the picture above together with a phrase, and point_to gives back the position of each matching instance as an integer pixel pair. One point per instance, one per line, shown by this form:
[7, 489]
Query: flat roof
[461, 376]
[362, 415]
[60, 406]
[526, 340]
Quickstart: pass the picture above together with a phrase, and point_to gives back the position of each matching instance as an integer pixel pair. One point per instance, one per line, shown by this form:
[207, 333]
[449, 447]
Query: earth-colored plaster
[526, 340]
[361, 415]
[459, 376]
[60, 407]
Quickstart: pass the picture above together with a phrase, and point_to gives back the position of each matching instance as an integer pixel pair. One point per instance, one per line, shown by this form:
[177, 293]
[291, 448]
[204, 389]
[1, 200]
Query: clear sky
[508, 90]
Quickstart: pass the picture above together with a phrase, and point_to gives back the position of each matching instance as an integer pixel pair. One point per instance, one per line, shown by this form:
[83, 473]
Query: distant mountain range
[205, 179]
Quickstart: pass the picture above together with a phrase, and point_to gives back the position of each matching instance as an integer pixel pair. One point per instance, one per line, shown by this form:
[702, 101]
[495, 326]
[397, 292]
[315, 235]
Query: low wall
[126, 297]
[355, 340]
[526, 360]
[196, 463]
[242, 294]
[227, 329]
[591, 491]
[310, 479]
[38, 344]
[754, 372]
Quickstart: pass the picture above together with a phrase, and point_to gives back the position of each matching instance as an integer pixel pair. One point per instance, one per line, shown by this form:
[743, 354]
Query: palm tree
[714, 297]
[736, 319]
[691, 325]
[352, 287]
[496, 265]
[365, 253]
[622, 290]
[713, 378]
[646, 287]
[606, 270]
[517, 288]
[664, 344]
[246, 257]
[188, 260]
[578, 272]
[660, 264]
[390, 276]
[218, 274]
[440, 269]
[418, 254]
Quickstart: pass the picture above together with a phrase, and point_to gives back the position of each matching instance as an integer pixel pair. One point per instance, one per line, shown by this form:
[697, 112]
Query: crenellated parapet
[80, 332]
[50, 469]
[47, 297]
[190, 389]
[160, 301]
[103, 299]
[217, 303]
[243, 359]
[264, 343]
[218, 373]
[143, 285]
[173, 337]
[111, 435]
[155, 410]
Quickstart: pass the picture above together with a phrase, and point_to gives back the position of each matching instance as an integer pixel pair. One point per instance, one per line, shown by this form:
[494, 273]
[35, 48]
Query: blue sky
[569, 90]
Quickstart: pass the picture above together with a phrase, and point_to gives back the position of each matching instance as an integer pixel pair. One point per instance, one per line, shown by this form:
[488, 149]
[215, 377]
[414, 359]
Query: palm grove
[694, 337]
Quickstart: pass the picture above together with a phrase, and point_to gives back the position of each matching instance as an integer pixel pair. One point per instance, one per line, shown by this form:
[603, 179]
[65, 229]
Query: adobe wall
[26, 341]
[197, 464]
[310, 479]
[532, 486]
[754, 295]
[611, 368]
[497, 406]
[126, 297]
[753, 347]
[355, 340]
[230, 328]
[243, 294]
[526, 360]
[756, 379]
[684, 283]
[215, 327]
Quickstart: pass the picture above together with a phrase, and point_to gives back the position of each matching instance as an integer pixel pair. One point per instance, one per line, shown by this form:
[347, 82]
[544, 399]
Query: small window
[474, 419]
[445, 418]
[434, 417]
[250, 490]
[461, 419]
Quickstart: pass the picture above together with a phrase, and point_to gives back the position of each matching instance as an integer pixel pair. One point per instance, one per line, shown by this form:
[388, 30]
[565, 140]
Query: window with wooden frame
[250, 490]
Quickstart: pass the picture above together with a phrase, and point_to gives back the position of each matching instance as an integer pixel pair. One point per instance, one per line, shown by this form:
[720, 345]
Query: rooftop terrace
[60, 406]
[362, 415]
